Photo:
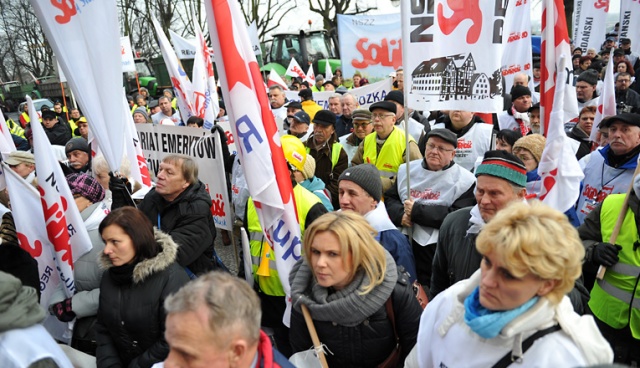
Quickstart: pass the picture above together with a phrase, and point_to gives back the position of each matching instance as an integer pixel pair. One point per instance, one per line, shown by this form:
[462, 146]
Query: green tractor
[308, 48]
[146, 78]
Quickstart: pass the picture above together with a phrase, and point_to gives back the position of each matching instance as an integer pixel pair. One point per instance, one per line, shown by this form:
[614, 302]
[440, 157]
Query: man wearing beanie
[586, 89]
[610, 170]
[140, 116]
[361, 128]
[500, 180]
[474, 136]
[323, 145]
[79, 154]
[516, 117]
[439, 186]
[386, 146]
[416, 129]
[361, 192]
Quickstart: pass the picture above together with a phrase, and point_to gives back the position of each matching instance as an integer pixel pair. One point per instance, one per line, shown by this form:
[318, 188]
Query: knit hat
[518, 91]
[20, 157]
[503, 165]
[396, 96]
[143, 111]
[309, 168]
[367, 177]
[590, 76]
[533, 143]
[325, 117]
[86, 186]
[77, 143]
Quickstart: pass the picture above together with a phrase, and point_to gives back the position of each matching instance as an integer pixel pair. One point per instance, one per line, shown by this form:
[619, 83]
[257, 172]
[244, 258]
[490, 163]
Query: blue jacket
[397, 244]
[316, 186]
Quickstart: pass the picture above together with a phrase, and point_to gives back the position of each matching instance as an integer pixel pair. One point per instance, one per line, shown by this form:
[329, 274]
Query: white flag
[328, 73]
[6, 141]
[128, 64]
[630, 23]
[592, 24]
[85, 37]
[606, 100]
[64, 225]
[185, 48]
[138, 164]
[205, 91]
[294, 70]
[276, 80]
[311, 76]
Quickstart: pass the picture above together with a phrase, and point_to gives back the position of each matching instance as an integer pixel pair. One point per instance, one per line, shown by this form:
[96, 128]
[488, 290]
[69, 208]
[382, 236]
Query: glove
[120, 192]
[62, 310]
[605, 254]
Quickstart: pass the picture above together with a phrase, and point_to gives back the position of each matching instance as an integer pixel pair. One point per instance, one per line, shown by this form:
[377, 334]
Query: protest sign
[365, 96]
[128, 64]
[517, 56]
[591, 26]
[630, 23]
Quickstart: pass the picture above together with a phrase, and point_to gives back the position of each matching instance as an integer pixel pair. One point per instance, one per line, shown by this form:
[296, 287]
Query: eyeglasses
[375, 116]
[432, 147]
[360, 125]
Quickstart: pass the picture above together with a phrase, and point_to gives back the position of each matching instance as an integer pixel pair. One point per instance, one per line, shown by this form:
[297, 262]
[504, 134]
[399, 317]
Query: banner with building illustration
[157, 141]
[370, 44]
[452, 54]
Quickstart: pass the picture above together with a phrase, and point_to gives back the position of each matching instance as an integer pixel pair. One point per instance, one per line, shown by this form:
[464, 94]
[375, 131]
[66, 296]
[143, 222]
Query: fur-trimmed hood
[149, 266]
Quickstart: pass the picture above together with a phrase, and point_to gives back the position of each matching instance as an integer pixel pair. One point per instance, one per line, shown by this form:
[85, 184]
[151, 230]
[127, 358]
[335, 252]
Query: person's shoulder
[452, 219]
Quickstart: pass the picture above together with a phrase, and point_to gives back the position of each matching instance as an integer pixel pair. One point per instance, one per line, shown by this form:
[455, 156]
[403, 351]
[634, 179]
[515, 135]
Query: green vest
[615, 300]
[14, 128]
[391, 154]
[271, 285]
[335, 153]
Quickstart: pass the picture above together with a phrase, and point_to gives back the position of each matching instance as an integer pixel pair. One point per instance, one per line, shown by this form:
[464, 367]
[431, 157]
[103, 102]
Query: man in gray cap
[323, 146]
[361, 128]
[79, 155]
[439, 186]
[23, 163]
[360, 190]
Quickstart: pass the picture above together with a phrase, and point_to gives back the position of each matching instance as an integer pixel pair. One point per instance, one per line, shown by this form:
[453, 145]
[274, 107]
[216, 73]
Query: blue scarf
[485, 322]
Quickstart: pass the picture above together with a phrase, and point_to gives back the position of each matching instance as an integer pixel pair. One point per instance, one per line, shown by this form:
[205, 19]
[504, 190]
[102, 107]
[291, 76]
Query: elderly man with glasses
[386, 147]
[439, 186]
[361, 128]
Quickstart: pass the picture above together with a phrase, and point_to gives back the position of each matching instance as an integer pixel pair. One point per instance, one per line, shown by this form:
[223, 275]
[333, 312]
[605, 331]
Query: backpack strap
[526, 344]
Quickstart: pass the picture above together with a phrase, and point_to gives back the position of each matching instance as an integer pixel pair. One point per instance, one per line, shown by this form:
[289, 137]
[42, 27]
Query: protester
[506, 138]
[167, 112]
[57, 132]
[335, 105]
[582, 130]
[82, 129]
[300, 125]
[195, 122]
[79, 155]
[627, 100]
[415, 128]
[215, 321]
[140, 274]
[308, 104]
[516, 117]
[277, 101]
[514, 308]
[360, 190]
[438, 186]
[344, 124]
[318, 86]
[24, 164]
[534, 119]
[361, 120]
[140, 116]
[345, 279]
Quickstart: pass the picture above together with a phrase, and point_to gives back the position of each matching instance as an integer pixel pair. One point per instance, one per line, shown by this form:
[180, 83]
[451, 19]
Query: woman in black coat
[345, 279]
[141, 273]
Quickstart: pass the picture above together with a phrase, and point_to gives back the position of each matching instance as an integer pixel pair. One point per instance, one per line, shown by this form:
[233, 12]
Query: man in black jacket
[180, 206]
[59, 133]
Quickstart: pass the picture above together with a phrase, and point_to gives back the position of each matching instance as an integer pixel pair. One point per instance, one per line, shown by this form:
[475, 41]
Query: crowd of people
[440, 208]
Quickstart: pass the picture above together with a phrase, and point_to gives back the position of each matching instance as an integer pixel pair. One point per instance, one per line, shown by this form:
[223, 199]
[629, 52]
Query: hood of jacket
[149, 266]
[19, 306]
[313, 184]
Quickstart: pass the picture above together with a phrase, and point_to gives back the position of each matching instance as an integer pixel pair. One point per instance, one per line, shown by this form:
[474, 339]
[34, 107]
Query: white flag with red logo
[559, 169]
[311, 76]
[256, 134]
[64, 225]
[516, 57]
[294, 70]
[591, 27]
[205, 91]
[276, 80]
[126, 53]
[606, 100]
[85, 36]
[555, 42]
[139, 168]
[179, 79]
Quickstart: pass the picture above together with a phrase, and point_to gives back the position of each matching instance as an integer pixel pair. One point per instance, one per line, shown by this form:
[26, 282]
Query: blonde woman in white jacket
[515, 308]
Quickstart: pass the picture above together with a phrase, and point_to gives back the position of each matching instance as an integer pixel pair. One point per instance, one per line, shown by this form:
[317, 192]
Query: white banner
[205, 93]
[630, 23]
[181, 84]
[139, 168]
[157, 141]
[128, 64]
[85, 38]
[365, 96]
[370, 44]
[592, 25]
[253, 36]
[185, 48]
[517, 56]
[452, 56]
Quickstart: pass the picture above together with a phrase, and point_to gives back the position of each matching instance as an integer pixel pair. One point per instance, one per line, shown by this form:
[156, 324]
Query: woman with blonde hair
[515, 307]
[347, 280]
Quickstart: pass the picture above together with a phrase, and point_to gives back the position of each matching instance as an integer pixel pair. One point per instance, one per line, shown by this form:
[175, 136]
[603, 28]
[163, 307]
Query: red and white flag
[311, 76]
[139, 168]
[294, 70]
[606, 100]
[179, 79]
[328, 73]
[85, 36]
[276, 80]
[64, 225]
[256, 134]
[205, 91]
[555, 42]
[559, 169]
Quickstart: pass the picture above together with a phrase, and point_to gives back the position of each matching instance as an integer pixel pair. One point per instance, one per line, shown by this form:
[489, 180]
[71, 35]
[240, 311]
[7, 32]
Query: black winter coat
[372, 341]
[131, 318]
[189, 221]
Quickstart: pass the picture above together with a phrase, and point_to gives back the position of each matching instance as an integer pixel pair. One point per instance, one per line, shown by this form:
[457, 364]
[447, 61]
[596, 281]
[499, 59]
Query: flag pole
[137, 82]
[64, 100]
[404, 10]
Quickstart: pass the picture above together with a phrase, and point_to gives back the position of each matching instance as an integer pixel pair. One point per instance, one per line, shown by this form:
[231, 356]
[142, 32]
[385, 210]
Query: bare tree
[329, 9]
[266, 13]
